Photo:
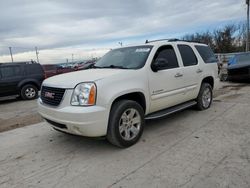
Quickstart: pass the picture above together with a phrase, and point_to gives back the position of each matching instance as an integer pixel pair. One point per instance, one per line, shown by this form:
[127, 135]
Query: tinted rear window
[34, 69]
[187, 55]
[206, 54]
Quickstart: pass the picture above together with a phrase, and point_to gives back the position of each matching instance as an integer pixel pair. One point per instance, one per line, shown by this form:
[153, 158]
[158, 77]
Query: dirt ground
[16, 113]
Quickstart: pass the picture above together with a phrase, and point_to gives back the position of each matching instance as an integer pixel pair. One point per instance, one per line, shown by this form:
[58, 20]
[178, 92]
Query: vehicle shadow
[167, 122]
[79, 143]
[101, 143]
[6, 100]
[239, 81]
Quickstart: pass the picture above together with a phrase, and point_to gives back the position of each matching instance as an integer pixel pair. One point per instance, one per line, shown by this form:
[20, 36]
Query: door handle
[178, 75]
[199, 71]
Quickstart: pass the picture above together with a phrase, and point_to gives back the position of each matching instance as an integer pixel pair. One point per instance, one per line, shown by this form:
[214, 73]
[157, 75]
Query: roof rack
[169, 40]
[19, 62]
[182, 40]
[147, 41]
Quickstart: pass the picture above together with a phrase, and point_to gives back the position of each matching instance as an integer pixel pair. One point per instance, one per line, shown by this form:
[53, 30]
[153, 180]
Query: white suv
[128, 85]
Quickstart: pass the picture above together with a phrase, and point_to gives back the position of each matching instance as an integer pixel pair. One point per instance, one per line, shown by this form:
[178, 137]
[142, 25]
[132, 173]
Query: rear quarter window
[34, 69]
[206, 54]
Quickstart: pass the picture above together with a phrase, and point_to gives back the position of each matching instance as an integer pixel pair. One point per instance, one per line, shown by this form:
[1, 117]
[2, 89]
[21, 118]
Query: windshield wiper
[93, 67]
[115, 67]
[106, 67]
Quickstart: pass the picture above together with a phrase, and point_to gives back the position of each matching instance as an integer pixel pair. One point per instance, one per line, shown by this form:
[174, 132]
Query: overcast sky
[62, 27]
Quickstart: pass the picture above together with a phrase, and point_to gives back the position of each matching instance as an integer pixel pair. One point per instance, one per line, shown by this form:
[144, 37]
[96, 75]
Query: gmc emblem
[49, 95]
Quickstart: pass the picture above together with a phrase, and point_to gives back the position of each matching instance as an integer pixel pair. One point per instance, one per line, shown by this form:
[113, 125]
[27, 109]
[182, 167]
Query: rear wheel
[205, 97]
[29, 92]
[126, 123]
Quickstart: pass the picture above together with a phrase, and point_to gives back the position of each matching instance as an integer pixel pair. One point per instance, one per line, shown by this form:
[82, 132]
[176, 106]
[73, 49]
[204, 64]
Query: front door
[166, 85]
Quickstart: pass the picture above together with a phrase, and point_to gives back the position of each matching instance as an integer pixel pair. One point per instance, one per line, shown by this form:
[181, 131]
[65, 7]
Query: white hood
[70, 80]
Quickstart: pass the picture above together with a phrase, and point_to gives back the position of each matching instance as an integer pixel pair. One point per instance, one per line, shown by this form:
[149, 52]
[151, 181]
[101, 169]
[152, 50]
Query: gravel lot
[16, 113]
[188, 149]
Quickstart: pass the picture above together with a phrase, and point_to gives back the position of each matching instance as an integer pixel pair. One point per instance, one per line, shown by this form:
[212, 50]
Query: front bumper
[89, 121]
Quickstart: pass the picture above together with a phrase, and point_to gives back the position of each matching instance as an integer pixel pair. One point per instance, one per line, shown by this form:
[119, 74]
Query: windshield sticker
[142, 50]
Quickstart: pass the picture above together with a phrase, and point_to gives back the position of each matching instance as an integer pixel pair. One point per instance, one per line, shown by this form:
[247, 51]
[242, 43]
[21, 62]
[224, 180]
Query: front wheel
[126, 123]
[205, 97]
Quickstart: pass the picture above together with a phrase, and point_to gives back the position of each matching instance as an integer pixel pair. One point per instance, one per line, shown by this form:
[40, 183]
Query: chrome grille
[52, 96]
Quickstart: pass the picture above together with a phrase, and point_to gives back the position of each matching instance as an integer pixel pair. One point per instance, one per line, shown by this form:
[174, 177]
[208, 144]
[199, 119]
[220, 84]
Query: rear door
[10, 77]
[192, 71]
[166, 85]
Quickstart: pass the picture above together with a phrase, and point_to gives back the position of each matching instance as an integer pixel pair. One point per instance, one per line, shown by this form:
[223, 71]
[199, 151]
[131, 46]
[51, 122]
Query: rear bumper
[85, 121]
[242, 77]
[240, 73]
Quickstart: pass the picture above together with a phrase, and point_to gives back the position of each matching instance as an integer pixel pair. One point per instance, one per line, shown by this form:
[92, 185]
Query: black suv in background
[23, 79]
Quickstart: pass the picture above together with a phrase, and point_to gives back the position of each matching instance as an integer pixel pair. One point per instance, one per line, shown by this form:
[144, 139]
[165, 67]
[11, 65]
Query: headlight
[84, 95]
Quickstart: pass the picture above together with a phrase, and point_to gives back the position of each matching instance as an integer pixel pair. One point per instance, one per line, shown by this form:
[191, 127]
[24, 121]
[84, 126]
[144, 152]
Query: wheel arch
[209, 80]
[138, 97]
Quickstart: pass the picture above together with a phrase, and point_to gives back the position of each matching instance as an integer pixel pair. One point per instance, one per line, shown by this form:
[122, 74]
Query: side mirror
[159, 64]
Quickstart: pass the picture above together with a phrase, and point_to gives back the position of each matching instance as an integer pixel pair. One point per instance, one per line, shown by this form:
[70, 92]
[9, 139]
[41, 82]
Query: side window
[166, 54]
[187, 55]
[206, 54]
[10, 71]
[32, 69]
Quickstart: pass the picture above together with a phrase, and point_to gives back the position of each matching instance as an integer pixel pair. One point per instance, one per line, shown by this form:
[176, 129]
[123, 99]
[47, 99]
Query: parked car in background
[50, 70]
[55, 69]
[62, 70]
[21, 79]
[239, 67]
[85, 65]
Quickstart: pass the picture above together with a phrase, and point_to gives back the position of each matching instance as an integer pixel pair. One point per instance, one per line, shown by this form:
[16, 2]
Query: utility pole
[72, 58]
[67, 60]
[37, 55]
[11, 55]
[247, 42]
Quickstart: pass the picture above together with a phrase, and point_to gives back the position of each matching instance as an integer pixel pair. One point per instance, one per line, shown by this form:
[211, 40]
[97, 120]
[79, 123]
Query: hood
[70, 80]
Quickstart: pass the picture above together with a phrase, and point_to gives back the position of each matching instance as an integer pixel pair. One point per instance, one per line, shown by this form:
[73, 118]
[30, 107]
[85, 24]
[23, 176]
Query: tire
[126, 122]
[223, 77]
[205, 97]
[29, 92]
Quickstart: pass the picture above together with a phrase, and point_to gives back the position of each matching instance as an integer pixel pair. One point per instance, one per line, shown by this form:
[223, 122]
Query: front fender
[108, 90]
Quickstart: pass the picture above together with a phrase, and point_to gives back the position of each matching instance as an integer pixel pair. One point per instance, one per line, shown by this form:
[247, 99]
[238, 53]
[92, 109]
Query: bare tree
[230, 38]
[225, 39]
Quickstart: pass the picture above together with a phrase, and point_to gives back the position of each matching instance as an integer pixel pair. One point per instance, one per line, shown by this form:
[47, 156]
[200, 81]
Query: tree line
[227, 39]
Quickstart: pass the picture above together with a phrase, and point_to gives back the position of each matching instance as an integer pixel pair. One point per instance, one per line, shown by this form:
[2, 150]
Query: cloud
[88, 23]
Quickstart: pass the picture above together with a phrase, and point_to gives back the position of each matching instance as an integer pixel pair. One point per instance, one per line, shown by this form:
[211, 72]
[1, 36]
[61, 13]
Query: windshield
[125, 58]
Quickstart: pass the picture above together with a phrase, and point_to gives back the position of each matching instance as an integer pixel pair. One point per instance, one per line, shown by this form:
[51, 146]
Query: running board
[170, 110]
